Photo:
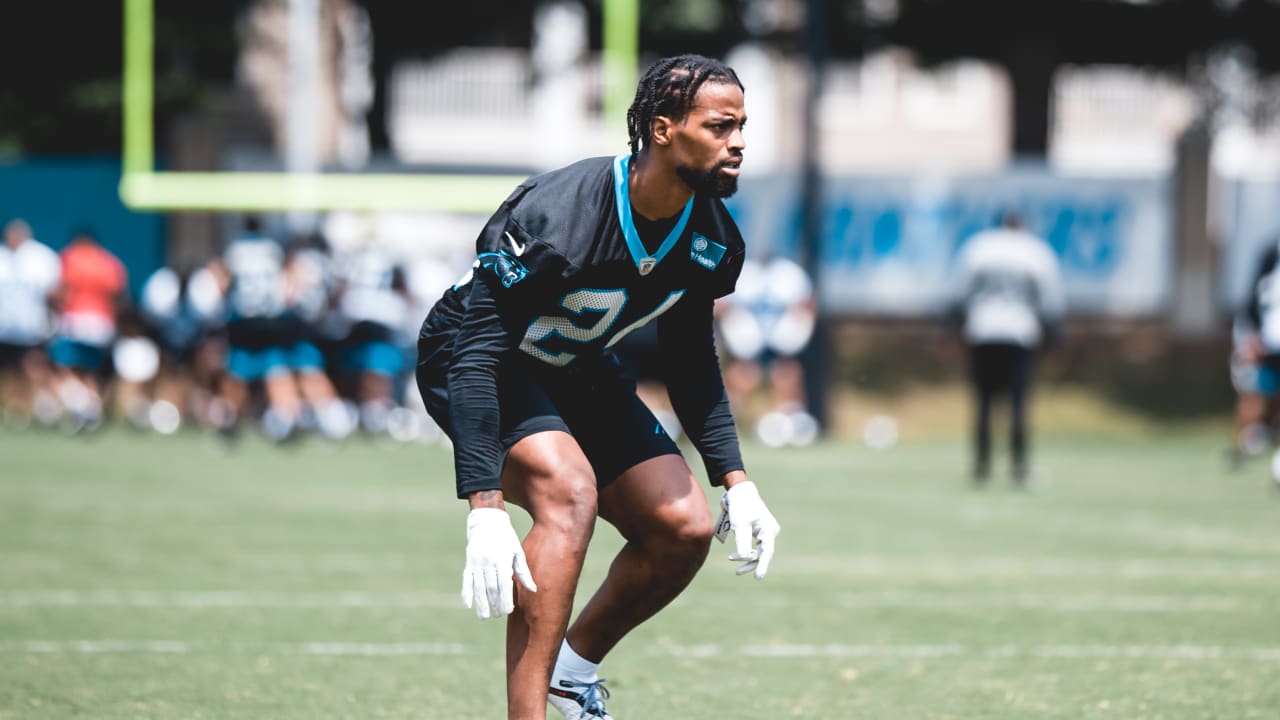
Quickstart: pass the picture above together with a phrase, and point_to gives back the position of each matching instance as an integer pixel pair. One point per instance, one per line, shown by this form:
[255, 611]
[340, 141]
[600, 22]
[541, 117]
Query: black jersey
[561, 276]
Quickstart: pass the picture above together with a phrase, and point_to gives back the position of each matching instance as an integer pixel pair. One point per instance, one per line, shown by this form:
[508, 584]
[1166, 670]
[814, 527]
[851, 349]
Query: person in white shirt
[1255, 361]
[30, 273]
[765, 326]
[1007, 300]
[373, 305]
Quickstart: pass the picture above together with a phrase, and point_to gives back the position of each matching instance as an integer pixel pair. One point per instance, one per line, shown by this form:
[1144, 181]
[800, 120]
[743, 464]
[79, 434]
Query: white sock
[572, 667]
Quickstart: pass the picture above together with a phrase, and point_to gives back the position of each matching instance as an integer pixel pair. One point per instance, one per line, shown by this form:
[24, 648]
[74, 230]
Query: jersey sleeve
[482, 340]
[725, 278]
[511, 271]
[691, 371]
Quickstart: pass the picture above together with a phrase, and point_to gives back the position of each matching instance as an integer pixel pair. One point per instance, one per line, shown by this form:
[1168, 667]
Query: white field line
[1051, 602]
[949, 600]
[339, 500]
[887, 566]
[994, 566]
[209, 599]
[89, 647]
[776, 651]
[377, 649]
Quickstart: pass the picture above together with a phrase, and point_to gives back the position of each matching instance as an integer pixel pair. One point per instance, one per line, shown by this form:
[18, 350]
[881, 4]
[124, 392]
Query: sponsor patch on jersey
[705, 251]
[506, 268]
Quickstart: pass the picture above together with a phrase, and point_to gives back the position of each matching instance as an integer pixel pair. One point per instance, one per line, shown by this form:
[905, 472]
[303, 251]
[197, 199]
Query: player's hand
[494, 553]
[755, 531]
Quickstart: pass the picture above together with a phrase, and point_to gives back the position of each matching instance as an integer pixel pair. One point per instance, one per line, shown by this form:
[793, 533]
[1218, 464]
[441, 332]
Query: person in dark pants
[1008, 302]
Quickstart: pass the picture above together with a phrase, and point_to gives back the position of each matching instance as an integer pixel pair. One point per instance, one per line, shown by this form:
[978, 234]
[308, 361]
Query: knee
[570, 502]
[688, 534]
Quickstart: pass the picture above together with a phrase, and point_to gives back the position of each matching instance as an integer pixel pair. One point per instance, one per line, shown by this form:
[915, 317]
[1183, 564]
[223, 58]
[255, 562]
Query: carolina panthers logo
[506, 268]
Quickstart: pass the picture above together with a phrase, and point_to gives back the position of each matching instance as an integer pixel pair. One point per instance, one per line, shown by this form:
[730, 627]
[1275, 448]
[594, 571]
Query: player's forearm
[475, 415]
[703, 409]
[697, 391]
[731, 478]
[486, 499]
[709, 423]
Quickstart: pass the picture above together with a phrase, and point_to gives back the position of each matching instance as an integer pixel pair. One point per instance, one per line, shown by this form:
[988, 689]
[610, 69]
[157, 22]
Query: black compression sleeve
[473, 393]
[691, 371]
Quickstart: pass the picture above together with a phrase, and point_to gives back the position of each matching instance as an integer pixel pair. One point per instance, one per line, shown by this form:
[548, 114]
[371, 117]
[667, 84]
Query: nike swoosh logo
[515, 246]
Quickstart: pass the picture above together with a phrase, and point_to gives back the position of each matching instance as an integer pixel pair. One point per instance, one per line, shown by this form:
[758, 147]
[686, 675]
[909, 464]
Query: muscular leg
[660, 509]
[546, 474]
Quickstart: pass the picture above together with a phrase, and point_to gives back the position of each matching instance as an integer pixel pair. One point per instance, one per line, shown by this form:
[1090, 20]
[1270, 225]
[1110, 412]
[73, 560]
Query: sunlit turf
[149, 577]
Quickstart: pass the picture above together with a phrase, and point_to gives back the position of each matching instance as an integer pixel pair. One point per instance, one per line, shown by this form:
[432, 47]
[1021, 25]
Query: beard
[709, 182]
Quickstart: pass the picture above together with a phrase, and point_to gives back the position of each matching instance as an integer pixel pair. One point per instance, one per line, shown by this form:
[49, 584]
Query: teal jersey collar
[645, 262]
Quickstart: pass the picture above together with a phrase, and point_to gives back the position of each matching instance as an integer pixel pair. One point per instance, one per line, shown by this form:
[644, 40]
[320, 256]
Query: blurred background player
[183, 314]
[765, 325]
[94, 290]
[29, 275]
[1008, 302]
[309, 295]
[260, 335]
[1255, 384]
[426, 279]
[373, 303]
[1255, 360]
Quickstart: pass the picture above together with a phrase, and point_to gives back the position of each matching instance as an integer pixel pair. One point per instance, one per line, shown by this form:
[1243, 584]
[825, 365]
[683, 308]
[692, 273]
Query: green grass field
[148, 577]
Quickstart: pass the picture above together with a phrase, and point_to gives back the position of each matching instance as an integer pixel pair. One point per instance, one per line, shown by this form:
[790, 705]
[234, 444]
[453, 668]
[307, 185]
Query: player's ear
[663, 128]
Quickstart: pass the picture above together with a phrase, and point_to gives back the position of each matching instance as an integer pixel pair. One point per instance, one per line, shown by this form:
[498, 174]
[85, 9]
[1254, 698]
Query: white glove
[741, 509]
[493, 554]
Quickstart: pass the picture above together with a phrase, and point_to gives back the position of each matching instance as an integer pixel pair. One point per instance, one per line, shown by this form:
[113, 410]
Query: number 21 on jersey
[609, 305]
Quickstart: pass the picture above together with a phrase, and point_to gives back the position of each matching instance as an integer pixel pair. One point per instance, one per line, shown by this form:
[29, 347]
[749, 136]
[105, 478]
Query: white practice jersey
[1009, 284]
[769, 310]
[1262, 312]
[258, 287]
[311, 284]
[27, 275]
[368, 294]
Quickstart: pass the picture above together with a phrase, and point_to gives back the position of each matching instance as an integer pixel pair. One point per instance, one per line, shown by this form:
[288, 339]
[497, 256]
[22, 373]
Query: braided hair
[668, 88]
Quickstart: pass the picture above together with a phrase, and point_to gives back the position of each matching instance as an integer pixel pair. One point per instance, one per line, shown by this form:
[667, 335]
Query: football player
[373, 304]
[516, 363]
[262, 335]
[29, 276]
[766, 325]
[1255, 360]
[94, 290]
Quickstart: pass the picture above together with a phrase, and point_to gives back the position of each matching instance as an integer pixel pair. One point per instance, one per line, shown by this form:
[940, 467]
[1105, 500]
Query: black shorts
[11, 355]
[600, 409]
